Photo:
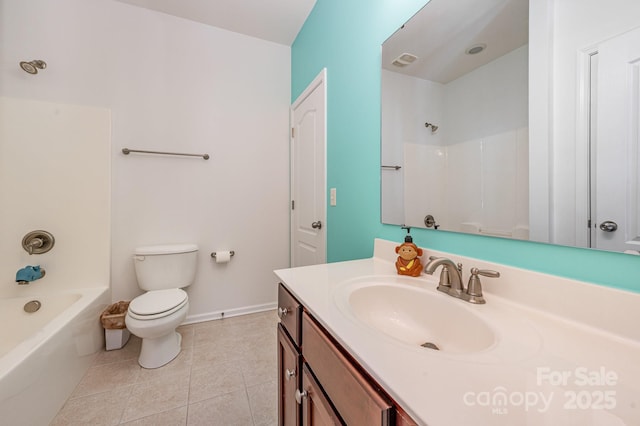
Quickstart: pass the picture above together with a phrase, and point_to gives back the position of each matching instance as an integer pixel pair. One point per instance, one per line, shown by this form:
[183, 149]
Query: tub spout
[28, 274]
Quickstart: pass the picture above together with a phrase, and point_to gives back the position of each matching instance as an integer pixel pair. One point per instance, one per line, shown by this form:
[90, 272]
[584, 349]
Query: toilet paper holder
[232, 253]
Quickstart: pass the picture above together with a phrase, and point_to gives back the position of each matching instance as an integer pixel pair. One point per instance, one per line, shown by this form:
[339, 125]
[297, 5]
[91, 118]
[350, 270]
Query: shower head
[32, 67]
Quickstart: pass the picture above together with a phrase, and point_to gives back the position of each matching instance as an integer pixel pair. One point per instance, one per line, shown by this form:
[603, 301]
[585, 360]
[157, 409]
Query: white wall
[561, 30]
[172, 85]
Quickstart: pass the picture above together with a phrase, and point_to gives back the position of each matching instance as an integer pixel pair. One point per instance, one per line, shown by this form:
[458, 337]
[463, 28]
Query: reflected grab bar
[127, 151]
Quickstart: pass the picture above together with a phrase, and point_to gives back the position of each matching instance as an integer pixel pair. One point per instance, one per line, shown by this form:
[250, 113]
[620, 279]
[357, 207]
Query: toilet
[162, 271]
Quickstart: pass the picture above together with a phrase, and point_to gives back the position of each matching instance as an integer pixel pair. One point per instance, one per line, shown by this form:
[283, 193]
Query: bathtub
[43, 355]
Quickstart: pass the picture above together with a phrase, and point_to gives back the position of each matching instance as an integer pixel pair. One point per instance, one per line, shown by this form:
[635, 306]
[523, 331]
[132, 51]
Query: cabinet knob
[289, 373]
[282, 312]
[300, 395]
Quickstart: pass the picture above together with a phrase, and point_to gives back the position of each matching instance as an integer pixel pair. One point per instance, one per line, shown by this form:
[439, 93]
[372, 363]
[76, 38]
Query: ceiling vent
[404, 60]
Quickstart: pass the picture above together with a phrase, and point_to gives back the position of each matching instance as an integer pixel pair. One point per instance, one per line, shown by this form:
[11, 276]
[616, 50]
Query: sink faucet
[450, 277]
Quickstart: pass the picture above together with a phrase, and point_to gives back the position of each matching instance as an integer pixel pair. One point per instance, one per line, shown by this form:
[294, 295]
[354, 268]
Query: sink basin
[417, 317]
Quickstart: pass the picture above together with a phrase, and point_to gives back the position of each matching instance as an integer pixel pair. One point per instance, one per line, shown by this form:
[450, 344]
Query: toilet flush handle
[139, 258]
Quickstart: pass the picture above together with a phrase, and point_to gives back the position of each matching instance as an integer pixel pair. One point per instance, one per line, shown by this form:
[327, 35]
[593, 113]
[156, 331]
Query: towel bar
[127, 151]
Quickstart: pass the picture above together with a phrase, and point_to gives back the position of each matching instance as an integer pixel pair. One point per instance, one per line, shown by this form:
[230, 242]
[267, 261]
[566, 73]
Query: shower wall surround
[351, 54]
[55, 175]
[179, 86]
[472, 172]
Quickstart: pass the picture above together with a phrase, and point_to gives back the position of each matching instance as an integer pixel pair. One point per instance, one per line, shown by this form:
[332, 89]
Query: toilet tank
[165, 266]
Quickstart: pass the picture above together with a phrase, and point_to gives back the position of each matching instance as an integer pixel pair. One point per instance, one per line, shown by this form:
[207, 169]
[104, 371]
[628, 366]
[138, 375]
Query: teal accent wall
[345, 37]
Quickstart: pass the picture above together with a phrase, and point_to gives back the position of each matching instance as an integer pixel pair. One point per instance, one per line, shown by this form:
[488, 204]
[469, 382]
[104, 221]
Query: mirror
[457, 152]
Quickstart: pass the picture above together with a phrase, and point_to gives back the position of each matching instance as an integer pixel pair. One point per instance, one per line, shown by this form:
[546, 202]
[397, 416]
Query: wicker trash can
[116, 334]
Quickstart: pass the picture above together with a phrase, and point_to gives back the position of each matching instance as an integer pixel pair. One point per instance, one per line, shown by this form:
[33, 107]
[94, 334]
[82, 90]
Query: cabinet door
[316, 409]
[357, 400]
[288, 380]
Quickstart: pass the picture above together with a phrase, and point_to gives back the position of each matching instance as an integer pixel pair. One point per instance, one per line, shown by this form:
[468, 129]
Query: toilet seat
[158, 304]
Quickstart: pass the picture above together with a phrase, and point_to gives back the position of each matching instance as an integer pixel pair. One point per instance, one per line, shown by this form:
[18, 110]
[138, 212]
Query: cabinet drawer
[357, 402]
[289, 311]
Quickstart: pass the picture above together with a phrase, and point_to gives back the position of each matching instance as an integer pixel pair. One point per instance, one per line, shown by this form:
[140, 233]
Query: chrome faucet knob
[445, 280]
[474, 289]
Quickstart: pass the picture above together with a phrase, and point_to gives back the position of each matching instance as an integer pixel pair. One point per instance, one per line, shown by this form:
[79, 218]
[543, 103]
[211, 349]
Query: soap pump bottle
[408, 262]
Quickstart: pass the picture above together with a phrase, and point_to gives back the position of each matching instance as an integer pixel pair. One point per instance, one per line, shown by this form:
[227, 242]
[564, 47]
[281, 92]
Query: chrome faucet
[451, 279]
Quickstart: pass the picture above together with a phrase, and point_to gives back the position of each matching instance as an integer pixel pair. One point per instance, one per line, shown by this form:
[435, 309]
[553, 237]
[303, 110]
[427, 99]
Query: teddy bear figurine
[408, 262]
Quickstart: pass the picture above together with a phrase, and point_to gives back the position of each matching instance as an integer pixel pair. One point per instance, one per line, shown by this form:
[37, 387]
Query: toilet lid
[157, 301]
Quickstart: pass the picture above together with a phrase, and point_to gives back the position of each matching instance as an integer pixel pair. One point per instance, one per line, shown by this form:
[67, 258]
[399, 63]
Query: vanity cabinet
[319, 383]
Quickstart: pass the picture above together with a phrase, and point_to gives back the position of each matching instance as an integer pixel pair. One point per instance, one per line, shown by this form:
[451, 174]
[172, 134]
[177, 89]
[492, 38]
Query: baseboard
[210, 316]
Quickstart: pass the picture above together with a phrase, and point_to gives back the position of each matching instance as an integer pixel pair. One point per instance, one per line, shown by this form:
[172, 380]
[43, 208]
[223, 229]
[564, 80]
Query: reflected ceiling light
[404, 60]
[475, 49]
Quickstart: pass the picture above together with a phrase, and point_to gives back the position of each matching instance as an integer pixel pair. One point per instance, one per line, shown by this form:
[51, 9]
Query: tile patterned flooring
[225, 375]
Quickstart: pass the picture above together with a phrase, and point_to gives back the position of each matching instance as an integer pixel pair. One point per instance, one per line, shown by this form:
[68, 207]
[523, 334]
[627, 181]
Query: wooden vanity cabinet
[330, 387]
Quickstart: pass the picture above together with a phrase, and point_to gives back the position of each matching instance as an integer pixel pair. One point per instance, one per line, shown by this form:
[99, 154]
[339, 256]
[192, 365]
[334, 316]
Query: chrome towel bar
[127, 151]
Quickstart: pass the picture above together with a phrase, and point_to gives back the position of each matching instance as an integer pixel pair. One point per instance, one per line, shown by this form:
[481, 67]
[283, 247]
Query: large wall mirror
[458, 153]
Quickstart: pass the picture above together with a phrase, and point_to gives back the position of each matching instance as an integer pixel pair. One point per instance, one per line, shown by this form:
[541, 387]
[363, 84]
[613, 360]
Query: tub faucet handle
[38, 242]
[34, 243]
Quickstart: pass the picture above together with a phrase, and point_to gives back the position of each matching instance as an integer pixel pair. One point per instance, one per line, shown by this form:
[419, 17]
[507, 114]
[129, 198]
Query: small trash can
[116, 334]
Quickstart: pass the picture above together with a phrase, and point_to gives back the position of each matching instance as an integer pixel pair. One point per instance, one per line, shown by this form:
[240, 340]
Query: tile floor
[225, 375]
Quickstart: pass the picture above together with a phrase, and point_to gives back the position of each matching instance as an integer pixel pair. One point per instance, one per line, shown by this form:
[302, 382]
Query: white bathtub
[43, 355]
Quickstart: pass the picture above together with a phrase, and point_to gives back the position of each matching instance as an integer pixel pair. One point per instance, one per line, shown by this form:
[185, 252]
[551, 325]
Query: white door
[616, 223]
[308, 171]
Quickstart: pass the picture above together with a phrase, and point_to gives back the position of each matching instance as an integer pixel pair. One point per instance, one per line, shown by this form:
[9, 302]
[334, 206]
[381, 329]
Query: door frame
[320, 81]
[585, 144]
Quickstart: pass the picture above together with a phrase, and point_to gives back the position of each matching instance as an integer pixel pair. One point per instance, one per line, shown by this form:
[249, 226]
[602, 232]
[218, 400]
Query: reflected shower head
[32, 67]
[434, 128]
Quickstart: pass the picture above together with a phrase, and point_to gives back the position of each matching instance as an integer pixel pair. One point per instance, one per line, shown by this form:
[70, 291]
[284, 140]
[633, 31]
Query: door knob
[608, 226]
[316, 225]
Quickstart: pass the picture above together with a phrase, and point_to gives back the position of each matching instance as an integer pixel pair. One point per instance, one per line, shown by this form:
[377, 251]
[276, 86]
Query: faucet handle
[445, 280]
[474, 289]
[444, 284]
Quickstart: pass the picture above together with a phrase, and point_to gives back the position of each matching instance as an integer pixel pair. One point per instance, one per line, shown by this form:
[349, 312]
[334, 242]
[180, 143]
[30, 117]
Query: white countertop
[566, 353]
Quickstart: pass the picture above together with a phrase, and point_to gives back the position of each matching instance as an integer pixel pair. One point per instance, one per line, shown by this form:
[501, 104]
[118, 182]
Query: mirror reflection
[454, 109]
[457, 151]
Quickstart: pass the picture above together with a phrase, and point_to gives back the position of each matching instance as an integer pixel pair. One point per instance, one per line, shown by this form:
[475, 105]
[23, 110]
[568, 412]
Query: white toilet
[162, 271]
